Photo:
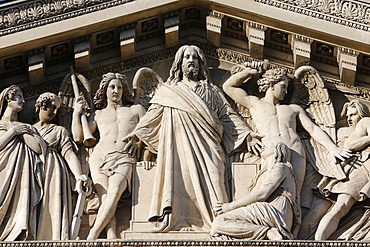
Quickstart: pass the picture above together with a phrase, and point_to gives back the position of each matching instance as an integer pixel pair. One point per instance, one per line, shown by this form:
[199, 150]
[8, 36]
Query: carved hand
[254, 143]
[220, 208]
[79, 105]
[20, 129]
[133, 144]
[341, 154]
[83, 184]
[146, 164]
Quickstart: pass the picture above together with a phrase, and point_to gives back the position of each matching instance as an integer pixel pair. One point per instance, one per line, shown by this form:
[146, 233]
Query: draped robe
[189, 129]
[20, 189]
[55, 209]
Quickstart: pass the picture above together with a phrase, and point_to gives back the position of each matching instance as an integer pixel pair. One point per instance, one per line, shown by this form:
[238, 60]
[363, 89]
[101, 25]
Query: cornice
[41, 12]
[23, 16]
[351, 13]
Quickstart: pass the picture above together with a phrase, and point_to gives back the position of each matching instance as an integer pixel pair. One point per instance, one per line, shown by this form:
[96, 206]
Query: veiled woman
[55, 213]
[20, 169]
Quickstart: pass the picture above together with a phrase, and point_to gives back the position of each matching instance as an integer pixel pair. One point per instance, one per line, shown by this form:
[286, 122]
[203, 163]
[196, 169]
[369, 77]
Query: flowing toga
[189, 129]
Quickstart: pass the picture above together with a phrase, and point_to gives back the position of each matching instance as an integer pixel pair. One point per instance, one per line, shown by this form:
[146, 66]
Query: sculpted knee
[216, 224]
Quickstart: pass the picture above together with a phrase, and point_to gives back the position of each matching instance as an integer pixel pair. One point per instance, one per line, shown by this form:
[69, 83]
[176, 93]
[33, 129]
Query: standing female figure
[55, 212]
[20, 169]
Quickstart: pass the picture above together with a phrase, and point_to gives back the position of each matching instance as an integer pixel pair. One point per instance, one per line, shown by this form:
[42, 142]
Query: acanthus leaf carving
[12, 16]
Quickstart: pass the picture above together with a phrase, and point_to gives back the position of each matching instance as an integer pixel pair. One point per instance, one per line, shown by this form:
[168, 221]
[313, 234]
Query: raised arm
[76, 128]
[232, 86]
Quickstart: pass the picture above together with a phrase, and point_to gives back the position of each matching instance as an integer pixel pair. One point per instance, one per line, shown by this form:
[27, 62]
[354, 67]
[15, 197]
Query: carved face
[48, 113]
[352, 116]
[114, 91]
[17, 102]
[280, 89]
[190, 64]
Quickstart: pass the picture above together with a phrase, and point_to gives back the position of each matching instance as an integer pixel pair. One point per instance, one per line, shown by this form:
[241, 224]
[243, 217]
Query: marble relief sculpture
[110, 166]
[55, 209]
[190, 127]
[21, 167]
[270, 209]
[186, 127]
[343, 194]
[277, 122]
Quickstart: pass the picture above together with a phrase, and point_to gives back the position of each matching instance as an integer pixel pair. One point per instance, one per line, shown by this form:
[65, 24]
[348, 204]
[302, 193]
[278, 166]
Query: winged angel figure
[111, 114]
[306, 123]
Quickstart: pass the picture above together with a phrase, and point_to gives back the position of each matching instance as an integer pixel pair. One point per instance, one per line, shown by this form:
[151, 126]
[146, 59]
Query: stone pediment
[42, 41]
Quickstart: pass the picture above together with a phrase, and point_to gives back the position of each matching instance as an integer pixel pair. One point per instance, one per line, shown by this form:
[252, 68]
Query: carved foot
[274, 234]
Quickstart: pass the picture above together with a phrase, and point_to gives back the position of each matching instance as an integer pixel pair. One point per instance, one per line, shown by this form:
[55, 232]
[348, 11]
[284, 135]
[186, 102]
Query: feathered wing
[66, 93]
[145, 83]
[312, 95]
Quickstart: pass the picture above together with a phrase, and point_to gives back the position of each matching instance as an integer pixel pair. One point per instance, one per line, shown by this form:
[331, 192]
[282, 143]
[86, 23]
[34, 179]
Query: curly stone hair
[270, 78]
[45, 100]
[100, 98]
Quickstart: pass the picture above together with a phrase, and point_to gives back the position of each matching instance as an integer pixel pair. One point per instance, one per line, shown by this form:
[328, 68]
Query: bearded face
[190, 70]
[190, 64]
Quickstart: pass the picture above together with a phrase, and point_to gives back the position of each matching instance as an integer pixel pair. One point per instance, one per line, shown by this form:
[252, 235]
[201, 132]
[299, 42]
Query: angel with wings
[341, 195]
[114, 117]
[278, 122]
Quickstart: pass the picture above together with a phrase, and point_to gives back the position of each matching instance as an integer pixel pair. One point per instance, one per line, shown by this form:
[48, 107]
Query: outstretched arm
[232, 86]
[319, 135]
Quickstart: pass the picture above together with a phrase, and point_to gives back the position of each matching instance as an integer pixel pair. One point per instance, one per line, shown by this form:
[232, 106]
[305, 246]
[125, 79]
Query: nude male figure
[355, 137]
[278, 122]
[110, 165]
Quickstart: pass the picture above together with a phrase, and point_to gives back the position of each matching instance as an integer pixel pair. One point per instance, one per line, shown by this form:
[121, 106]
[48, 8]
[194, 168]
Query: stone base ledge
[170, 236]
[180, 243]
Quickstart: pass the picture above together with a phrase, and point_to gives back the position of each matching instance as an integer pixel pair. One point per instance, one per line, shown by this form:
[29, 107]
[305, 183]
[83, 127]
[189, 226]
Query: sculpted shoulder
[138, 109]
[296, 108]
[364, 122]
